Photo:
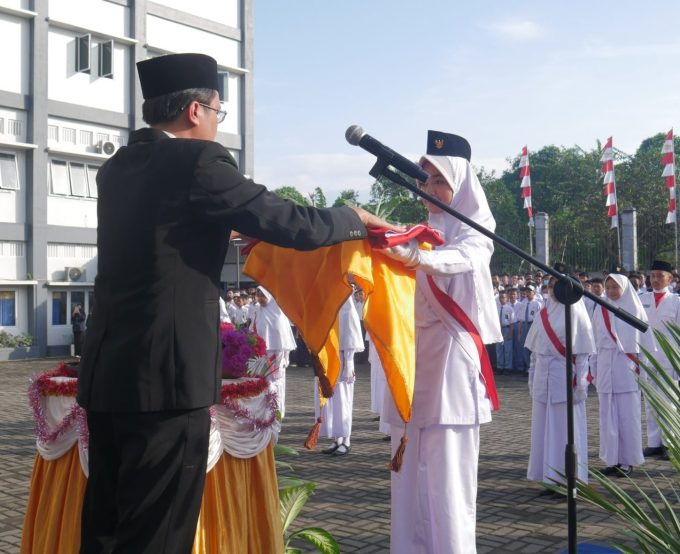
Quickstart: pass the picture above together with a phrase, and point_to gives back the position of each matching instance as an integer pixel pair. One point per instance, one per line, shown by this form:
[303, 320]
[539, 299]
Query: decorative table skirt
[240, 506]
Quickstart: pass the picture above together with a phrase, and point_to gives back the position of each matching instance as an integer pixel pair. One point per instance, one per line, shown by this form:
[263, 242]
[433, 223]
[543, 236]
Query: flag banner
[668, 162]
[525, 184]
[609, 181]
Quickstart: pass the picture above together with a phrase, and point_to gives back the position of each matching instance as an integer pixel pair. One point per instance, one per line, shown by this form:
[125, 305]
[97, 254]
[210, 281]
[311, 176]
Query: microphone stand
[568, 291]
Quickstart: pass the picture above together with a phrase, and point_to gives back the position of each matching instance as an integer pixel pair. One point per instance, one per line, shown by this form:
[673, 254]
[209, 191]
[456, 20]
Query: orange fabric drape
[311, 286]
[239, 510]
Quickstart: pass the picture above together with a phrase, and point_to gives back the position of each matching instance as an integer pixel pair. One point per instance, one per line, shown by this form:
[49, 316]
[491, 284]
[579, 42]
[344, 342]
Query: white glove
[352, 377]
[408, 253]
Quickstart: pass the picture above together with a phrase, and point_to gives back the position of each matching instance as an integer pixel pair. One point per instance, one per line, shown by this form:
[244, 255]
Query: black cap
[660, 265]
[175, 72]
[446, 144]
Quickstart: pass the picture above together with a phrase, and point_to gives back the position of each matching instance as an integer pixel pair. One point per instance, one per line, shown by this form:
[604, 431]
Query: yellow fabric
[52, 521]
[311, 286]
[239, 511]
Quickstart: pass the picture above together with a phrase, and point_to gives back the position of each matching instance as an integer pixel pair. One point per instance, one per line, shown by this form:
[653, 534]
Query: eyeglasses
[221, 114]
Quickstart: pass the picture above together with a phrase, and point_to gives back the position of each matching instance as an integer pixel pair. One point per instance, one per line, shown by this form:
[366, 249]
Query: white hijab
[350, 327]
[273, 325]
[628, 336]
[583, 341]
[472, 290]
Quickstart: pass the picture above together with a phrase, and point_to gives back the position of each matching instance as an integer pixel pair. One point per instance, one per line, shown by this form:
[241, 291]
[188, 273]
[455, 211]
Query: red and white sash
[608, 325]
[466, 323]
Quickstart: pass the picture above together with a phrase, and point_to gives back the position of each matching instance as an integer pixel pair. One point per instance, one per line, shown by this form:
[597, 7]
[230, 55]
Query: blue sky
[501, 74]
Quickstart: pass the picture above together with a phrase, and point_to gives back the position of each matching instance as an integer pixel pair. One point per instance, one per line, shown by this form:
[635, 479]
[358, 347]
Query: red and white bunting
[668, 162]
[525, 185]
[610, 182]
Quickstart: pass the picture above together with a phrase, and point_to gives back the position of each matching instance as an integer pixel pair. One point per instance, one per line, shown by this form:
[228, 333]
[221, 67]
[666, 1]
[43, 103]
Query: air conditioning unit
[74, 274]
[107, 147]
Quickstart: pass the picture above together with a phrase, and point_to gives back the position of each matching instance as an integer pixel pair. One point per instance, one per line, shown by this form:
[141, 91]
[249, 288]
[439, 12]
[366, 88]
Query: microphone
[356, 136]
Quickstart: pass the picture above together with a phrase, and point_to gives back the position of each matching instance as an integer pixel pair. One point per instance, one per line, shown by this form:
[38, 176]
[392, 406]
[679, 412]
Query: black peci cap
[446, 144]
[660, 265]
[175, 72]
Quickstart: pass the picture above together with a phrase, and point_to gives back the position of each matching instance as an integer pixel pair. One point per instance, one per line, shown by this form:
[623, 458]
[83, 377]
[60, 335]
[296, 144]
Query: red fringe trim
[313, 437]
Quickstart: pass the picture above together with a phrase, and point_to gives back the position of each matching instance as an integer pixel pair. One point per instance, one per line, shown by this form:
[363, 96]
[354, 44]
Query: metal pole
[531, 241]
[618, 238]
[570, 449]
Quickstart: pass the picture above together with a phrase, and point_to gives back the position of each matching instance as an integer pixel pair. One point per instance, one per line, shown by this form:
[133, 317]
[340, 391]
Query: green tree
[348, 197]
[291, 193]
[318, 198]
[396, 203]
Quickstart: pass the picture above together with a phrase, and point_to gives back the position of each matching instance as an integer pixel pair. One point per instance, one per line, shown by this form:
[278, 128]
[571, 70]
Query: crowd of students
[607, 353]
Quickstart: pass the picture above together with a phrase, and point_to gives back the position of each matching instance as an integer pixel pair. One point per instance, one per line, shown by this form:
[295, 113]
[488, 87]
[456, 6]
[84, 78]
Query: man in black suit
[152, 361]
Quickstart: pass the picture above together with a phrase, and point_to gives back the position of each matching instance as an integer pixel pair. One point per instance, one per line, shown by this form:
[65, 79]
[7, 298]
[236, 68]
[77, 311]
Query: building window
[2, 126]
[73, 179]
[59, 303]
[78, 179]
[223, 85]
[14, 127]
[83, 54]
[106, 59]
[92, 180]
[53, 133]
[9, 173]
[8, 314]
[86, 138]
[59, 177]
[69, 135]
[102, 137]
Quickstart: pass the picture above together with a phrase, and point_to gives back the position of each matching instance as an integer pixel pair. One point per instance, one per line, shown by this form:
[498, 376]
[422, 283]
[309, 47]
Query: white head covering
[472, 290]
[628, 336]
[583, 341]
[273, 325]
[350, 327]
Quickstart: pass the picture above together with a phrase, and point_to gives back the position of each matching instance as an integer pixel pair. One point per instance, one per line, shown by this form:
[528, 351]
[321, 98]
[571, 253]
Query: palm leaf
[320, 538]
[292, 500]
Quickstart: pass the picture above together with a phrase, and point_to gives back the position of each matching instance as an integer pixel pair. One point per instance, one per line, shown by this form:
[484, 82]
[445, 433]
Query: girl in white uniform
[434, 495]
[548, 389]
[274, 327]
[614, 370]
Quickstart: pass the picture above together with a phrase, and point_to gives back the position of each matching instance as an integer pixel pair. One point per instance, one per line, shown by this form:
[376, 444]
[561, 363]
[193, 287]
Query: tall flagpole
[668, 162]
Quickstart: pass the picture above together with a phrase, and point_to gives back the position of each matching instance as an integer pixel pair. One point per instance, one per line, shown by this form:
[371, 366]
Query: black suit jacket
[166, 208]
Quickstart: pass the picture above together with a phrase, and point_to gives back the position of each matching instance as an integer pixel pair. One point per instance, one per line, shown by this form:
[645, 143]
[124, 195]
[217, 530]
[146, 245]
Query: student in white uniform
[274, 327]
[662, 307]
[507, 318]
[546, 340]
[614, 368]
[530, 308]
[434, 495]
[337, 412]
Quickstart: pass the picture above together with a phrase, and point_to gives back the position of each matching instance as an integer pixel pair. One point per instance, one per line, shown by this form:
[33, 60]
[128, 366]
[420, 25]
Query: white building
[69, 97]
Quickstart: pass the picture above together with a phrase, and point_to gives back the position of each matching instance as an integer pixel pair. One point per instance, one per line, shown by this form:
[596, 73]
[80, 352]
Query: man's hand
[373, 221]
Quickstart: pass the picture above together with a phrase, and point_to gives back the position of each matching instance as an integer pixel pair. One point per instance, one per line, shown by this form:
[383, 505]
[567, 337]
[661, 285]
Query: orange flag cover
[311, 286]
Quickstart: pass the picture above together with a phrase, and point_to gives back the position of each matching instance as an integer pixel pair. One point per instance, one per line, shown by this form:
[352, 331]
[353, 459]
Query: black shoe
[331, 449]
[341, 450]
[611, 470]
[546, 493]
[664, 455]
[377, 418]
[387, 438]
[621, 472]
[653, 451]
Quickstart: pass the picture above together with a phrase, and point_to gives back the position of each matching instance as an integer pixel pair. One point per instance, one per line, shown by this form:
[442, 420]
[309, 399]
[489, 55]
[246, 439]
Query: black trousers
[147, 473]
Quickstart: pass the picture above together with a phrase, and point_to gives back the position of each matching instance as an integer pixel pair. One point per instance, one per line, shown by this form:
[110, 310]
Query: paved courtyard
[352, 498]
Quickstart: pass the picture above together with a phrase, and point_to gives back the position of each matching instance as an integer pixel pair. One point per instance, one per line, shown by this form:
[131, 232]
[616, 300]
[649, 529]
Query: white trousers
[337, 413]
[549, 440]
[434, 496]
[279, 380]
[621, 428]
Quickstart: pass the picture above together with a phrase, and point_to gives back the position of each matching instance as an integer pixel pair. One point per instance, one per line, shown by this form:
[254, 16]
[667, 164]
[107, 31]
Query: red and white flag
[668, 162]
[525, 184]
[610, 183]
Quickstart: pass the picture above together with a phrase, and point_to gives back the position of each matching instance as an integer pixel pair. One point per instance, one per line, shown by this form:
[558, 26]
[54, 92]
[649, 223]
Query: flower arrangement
[244, 353]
